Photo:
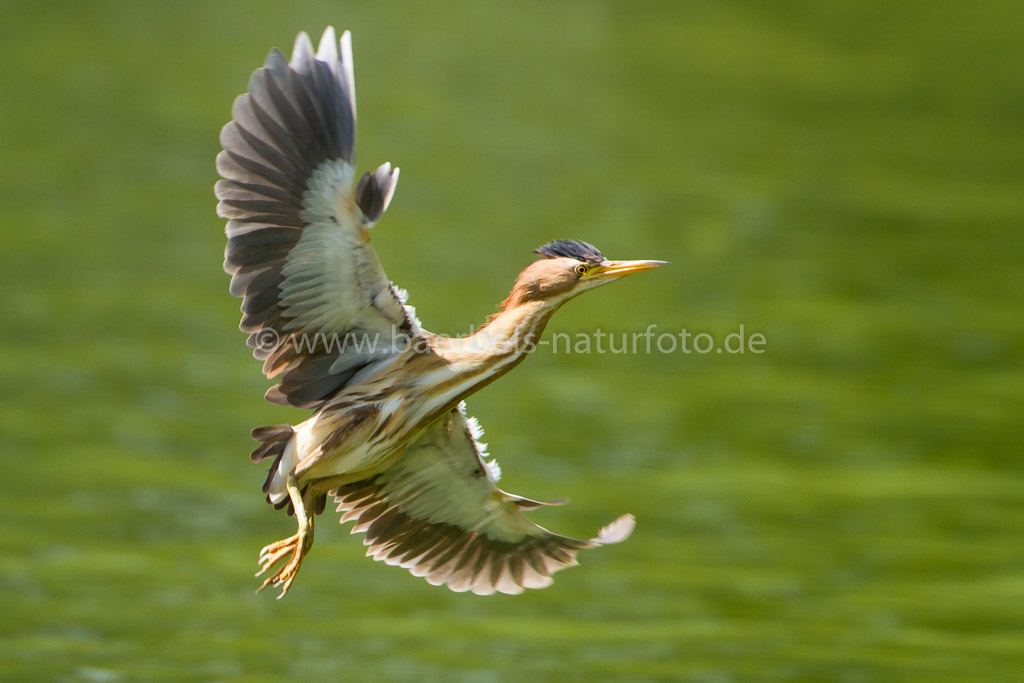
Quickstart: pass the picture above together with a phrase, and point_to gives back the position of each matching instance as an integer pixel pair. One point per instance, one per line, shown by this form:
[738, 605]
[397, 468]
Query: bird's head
[568, 269]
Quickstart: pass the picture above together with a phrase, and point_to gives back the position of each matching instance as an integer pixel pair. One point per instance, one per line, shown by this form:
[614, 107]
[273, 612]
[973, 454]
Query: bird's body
[363, 427]
[389, 438]
[360, 428]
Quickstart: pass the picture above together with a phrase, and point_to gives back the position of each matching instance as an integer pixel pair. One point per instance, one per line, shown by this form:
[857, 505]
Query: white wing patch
[330, 277]
[410, 311]
[329, 190]
[491, 465]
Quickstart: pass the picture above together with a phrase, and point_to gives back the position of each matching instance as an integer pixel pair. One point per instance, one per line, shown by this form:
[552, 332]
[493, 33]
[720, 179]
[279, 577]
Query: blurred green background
[846, 177]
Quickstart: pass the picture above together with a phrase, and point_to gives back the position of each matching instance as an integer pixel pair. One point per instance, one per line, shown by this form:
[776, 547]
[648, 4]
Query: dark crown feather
[581, 251]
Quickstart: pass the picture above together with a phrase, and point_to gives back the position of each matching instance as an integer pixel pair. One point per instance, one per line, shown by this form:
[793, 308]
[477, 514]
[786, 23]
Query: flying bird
[389, 439]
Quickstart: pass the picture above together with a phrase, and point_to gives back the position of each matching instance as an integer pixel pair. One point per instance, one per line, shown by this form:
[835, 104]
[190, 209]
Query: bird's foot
[297, 546]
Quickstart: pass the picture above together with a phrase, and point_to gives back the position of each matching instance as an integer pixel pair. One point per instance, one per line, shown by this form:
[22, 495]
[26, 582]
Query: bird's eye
[581, 270]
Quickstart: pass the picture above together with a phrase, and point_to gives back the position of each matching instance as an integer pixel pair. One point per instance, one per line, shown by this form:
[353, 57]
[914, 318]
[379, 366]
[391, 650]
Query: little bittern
[389, 439]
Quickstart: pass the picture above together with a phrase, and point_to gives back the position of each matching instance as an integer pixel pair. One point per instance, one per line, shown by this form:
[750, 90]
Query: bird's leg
[297, 546]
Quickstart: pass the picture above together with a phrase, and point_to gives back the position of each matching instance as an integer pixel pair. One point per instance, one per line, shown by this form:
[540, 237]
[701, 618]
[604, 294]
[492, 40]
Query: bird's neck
[498, 346]
[457, 367]
[515, 330]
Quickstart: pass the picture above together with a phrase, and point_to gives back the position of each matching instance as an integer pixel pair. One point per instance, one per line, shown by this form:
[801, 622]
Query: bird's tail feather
[274, 440]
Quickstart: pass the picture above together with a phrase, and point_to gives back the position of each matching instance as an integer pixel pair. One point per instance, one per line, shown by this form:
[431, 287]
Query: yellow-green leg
[297, 546]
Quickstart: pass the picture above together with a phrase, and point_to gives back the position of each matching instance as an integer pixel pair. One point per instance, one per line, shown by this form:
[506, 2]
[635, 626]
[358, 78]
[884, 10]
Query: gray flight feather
[299, 264]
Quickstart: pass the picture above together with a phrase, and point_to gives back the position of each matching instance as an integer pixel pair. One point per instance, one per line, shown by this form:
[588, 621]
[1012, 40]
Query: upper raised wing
[438, 513]
[316, 302]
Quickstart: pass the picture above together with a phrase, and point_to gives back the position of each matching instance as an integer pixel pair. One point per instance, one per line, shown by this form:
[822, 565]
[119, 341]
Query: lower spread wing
[438, 513]
[316, 302]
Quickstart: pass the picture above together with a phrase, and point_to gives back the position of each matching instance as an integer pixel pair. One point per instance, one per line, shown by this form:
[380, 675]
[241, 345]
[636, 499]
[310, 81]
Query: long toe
[278, 545]
[296, 547]
[268, 561]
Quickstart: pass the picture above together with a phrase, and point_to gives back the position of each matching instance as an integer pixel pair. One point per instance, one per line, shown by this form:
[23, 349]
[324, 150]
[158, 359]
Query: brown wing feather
[437, 513]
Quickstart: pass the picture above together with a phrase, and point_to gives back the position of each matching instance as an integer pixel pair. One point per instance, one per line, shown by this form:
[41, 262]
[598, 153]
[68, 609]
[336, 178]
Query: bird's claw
[295, 546]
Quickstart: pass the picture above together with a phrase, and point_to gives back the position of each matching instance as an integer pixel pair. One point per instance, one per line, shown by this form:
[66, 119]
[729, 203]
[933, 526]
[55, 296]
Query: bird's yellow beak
[620, 268]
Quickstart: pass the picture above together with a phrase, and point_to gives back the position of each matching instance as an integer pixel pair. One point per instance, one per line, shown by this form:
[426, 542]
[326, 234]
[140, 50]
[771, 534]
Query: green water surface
[844, 177]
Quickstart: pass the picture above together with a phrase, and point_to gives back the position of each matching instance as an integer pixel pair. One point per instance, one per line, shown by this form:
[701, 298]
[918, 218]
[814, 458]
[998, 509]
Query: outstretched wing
[316, 302]
[438, 513]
